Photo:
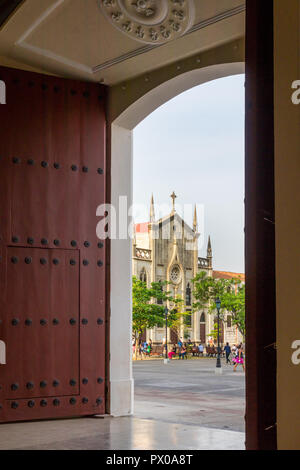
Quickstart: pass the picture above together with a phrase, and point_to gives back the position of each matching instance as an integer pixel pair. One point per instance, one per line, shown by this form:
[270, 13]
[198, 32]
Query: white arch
[159, 95]
[121, 382]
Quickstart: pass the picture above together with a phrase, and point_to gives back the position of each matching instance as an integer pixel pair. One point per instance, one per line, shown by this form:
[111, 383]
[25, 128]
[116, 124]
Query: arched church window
[188, 319]
[143, 275]
[202, 318]
[188, 295]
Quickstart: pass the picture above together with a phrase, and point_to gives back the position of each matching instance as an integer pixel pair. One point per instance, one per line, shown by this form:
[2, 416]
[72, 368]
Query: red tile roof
[142, 228]
[228, 275]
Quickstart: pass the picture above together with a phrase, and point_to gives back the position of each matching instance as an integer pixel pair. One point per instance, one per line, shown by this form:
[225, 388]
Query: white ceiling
[73, 38]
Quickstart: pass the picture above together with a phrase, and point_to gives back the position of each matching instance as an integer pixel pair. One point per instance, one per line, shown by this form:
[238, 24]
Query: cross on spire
[173, 197]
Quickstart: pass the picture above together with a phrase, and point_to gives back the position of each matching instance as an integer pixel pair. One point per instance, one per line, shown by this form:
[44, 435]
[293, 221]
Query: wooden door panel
[52, 266]
[261, 375]
[203, 333]
[42, 337]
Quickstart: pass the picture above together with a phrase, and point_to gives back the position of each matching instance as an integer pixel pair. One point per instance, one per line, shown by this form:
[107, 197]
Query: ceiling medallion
[150, 21]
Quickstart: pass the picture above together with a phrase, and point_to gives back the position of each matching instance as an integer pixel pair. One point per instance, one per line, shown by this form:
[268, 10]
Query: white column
[121, 381]
[196, 320]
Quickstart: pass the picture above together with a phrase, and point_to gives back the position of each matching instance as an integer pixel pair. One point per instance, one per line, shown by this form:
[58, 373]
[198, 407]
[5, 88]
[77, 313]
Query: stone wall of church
[139, 266]
[171, 244]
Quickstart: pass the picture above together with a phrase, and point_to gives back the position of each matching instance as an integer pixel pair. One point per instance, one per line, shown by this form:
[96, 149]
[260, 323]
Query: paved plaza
[182, 405]
[189, 392]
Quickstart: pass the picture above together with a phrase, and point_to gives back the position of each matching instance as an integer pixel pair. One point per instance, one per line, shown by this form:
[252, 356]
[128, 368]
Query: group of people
[235, 355]
[144, 347]
[182, 350]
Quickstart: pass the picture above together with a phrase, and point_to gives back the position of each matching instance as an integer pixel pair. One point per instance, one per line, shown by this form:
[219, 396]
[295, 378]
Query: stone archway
[123, 119]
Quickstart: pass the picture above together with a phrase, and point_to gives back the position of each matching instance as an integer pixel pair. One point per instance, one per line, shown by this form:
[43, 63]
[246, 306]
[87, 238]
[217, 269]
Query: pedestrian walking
[239, 358]
[227, 350]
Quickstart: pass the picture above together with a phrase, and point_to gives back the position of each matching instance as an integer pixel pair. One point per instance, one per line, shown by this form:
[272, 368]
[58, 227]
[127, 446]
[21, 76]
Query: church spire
[152, 211]
[209, 252]
[195, 223]
[209, 249]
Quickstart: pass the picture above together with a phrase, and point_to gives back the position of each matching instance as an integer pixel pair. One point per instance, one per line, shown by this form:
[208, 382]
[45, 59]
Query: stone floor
[188, 392]
[182, 406]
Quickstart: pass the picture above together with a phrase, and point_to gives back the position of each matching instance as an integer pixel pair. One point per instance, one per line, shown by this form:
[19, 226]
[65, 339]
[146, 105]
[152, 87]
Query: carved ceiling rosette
[150, 21]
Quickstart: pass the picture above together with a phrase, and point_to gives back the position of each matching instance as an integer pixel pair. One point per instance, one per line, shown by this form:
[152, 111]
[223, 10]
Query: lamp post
[218, 365]
[166, 345]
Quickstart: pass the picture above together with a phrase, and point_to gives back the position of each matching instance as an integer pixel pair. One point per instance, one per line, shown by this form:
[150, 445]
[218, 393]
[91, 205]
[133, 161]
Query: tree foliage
[146, 312]
[230, 292]
[148, 307]
[234, 302]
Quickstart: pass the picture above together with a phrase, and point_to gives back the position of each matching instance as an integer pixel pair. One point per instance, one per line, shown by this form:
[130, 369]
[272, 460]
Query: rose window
[175, 275]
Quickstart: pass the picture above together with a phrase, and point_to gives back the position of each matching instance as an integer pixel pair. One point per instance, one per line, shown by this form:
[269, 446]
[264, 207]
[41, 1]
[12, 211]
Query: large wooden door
[203, 333]
[52, 266]
[261, 367]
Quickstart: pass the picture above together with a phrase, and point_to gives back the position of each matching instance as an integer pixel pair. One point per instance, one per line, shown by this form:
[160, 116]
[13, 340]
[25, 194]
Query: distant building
[167, 250]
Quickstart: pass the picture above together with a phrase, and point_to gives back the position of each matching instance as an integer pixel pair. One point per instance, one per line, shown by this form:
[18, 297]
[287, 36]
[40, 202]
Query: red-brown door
[261, 370]
[203, 333]
[174, 337]
[52, 266]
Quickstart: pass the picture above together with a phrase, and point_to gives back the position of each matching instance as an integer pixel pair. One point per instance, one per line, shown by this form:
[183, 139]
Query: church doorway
[230, 63]
[177, 235]
[171, 247]
[203, 329]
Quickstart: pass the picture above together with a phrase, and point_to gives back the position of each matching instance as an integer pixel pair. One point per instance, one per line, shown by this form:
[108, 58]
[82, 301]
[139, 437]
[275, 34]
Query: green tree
[230, 292]
[148, 309]
[214, 332]
[234, 302]
[178, 317]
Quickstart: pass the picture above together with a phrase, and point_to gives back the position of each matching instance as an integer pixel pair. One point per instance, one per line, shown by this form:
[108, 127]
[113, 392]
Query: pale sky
[194, 145]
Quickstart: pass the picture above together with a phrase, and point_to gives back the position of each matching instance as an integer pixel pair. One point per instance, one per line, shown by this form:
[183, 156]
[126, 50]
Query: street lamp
[166, 345]
[218, 365]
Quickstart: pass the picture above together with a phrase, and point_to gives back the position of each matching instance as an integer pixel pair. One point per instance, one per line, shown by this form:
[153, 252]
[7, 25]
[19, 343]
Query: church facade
[167, 250]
